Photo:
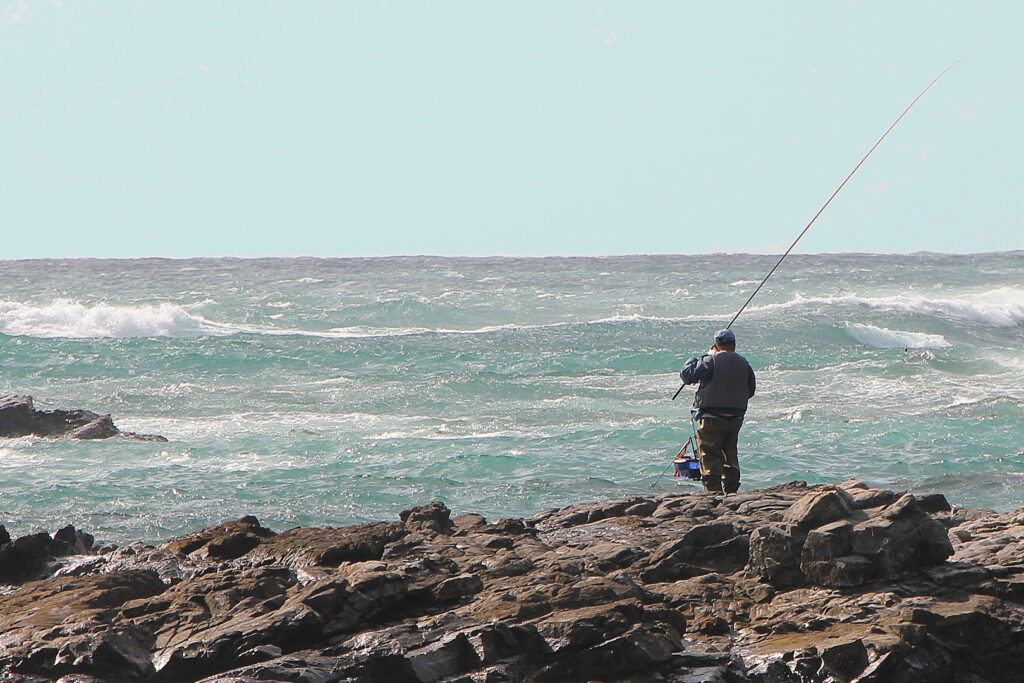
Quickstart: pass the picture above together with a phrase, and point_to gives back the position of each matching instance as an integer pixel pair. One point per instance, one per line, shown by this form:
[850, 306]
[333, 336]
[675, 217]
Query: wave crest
[65, 319]
[1002, 307]
[881, 338]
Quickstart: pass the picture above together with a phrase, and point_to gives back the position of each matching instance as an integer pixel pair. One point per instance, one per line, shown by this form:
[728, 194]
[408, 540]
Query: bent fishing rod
[832, 196]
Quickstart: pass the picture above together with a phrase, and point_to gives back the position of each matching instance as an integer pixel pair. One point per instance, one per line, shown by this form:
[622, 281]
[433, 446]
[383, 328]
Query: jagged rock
[819, 508]
[775, 556]
[169, 566]
[904, 537]
[829, 542]
[434, 517]
[845, 661]
[63, 626]
[495, 642]
[223, 542]
[448, 656]
[712, 547]
[70, 541]
[330, 547]
[469, 522]
[18, 417]
[791, 584]
[459, 586]
[636, 650]
[100, 428]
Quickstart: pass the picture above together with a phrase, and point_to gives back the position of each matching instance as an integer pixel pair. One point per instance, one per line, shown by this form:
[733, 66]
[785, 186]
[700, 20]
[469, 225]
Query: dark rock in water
[70, 541]
[100, 428]
[18, 417]
[794, 583]
[27, 557]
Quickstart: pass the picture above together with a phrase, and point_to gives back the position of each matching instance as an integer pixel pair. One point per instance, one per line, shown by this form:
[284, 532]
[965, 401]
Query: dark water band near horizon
[334, 391]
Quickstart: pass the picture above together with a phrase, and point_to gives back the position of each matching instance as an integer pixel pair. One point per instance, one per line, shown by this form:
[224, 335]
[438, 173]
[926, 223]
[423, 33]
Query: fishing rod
[681, 452]
[832, 196]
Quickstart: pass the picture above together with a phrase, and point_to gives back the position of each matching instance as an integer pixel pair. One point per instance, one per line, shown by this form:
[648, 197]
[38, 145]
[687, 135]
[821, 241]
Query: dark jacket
[727, 382]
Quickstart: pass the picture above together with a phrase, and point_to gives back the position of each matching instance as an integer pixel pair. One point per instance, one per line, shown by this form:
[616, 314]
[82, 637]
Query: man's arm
[751, 381]
[696, 370]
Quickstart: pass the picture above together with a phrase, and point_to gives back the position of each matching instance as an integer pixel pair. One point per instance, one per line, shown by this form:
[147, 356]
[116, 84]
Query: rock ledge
[791, 583]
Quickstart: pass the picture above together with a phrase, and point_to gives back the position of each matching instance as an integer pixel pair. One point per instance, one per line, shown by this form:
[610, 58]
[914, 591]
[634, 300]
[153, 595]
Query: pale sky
[258, 128]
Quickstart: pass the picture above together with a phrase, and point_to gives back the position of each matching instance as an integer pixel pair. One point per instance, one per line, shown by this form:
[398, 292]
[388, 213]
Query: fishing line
[682, 451]
[829, 200]
[832, 196]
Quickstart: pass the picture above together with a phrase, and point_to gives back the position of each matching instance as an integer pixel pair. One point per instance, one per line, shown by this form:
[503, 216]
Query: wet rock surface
[19, 417]
[792, 583]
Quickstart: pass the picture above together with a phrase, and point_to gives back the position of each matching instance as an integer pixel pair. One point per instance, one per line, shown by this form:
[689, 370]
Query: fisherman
[726, 383]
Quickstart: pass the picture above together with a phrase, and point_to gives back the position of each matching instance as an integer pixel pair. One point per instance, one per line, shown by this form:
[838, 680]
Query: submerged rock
[18, 417]
[792, 583]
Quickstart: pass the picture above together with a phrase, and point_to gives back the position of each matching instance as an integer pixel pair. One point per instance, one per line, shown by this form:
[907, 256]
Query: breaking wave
[70, 320]
[881, 338]
[1002, 307]
[65, 319]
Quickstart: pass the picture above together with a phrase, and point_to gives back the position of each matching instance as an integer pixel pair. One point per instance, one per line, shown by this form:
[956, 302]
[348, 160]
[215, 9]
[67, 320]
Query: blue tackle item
[688, 467]
[679, 462]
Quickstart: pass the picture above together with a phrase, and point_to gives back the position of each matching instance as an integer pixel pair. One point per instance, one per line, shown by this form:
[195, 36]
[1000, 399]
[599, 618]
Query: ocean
[335, 391]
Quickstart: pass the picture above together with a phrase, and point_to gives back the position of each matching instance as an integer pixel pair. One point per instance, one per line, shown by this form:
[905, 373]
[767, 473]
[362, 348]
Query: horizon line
[507, 256]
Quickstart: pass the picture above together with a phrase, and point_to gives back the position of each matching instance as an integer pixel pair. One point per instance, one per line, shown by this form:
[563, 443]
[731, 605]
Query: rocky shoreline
[792, 583]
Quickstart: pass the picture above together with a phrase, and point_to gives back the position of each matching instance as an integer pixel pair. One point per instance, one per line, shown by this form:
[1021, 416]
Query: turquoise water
[333, 391]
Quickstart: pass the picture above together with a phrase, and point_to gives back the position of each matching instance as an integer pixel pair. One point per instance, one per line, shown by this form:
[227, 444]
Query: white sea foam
[1002, 307]
[369, 332]
[881, 338]
[362, 332]
[632, 318]
[440, 435]
[66, 319]
[359, 331]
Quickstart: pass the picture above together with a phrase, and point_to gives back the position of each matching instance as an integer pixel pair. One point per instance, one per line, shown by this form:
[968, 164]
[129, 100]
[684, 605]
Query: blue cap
[725, 337]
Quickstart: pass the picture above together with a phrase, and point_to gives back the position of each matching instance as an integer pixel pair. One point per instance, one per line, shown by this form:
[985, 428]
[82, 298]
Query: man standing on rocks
[726, 384]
